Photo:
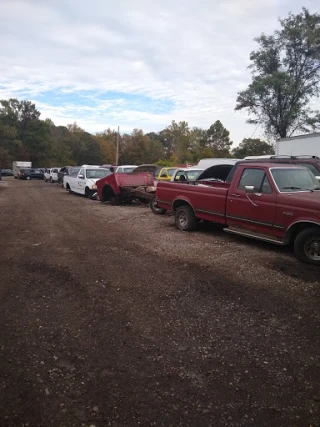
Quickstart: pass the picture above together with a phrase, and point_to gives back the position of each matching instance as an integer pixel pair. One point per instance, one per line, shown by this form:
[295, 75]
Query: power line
[255, 130]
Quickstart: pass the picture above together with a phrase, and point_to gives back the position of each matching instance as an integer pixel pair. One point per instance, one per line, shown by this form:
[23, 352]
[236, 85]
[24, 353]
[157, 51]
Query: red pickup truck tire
[185, 218]
[307, 246]
[155, 208]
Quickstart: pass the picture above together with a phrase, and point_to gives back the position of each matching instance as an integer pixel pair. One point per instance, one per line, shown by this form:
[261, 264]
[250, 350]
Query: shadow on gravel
[296, 269]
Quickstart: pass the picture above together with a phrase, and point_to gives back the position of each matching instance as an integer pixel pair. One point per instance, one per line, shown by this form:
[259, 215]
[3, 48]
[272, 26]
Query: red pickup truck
[277, 203]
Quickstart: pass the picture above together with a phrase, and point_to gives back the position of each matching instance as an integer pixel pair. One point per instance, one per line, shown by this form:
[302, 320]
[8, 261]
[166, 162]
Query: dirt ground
[110, 316]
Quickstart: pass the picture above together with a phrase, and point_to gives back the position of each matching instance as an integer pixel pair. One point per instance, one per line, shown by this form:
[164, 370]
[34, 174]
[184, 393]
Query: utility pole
[117, 155]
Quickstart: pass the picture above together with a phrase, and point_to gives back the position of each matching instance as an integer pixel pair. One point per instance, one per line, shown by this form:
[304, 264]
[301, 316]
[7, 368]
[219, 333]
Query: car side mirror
[249, 189]
[81, 176]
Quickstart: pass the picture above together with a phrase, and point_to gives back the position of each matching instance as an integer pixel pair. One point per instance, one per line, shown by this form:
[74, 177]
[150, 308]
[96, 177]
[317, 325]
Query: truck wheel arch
[296, 228]
[180, 202]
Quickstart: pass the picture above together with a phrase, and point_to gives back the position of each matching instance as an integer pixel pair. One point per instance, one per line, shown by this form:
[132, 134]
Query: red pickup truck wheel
[185, 218]
[155, 208]
[307, 246]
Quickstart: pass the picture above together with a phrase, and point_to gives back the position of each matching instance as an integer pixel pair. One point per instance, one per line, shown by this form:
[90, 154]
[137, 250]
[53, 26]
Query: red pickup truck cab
[277, 203]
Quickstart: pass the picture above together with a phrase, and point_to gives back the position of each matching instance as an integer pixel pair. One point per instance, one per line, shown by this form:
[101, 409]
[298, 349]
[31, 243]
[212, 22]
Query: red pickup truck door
[253, 212]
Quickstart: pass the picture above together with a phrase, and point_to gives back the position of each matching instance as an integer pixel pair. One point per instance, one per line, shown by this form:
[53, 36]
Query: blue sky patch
[106, 101]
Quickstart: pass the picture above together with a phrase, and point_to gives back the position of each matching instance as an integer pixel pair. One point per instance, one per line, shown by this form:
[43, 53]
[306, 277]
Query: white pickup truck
[85, 181]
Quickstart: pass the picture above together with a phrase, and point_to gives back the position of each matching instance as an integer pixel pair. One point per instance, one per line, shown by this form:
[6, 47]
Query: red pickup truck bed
[276, 203]
[120, 186]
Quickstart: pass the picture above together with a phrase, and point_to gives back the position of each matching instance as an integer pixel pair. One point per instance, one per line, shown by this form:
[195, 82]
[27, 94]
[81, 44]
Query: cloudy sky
[134, 63]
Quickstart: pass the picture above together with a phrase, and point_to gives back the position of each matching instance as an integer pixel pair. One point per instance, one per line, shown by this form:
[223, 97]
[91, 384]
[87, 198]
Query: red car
[278, 203]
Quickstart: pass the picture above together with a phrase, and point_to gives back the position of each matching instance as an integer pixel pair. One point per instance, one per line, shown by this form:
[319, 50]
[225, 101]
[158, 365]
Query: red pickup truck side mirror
[249, 189]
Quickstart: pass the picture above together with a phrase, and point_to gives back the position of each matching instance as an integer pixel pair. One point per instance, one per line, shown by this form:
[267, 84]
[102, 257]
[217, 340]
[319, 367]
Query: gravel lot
[111, 317]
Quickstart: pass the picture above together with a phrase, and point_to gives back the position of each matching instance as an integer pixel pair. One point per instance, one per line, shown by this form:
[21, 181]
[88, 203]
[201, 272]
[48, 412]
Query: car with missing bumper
[84, 182]
[277, 203]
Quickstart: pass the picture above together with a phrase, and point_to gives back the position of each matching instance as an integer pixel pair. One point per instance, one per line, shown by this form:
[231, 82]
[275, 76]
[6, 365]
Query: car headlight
[93, 187]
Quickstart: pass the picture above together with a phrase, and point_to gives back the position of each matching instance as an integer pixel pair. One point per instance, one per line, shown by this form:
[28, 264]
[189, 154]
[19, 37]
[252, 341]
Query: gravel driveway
[110, 316]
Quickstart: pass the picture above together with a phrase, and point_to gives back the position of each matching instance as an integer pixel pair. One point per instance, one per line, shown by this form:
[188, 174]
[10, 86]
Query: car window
[266, 186]
[171, 172]
[156, 172]
[312, 168]
[193, 175]
[253, 177]
[73, 171]
[290, 180]
[163, 173]
[81, 172]
[178, 174]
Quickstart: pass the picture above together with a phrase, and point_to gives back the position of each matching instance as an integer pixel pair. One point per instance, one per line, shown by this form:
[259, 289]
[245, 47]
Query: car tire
[185, 218]
[307, 246]
[28, 178]
[87, 193]
[155, 208]
[115, 201]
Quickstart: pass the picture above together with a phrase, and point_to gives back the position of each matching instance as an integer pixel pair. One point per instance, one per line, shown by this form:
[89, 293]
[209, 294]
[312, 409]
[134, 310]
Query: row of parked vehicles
[275, 199]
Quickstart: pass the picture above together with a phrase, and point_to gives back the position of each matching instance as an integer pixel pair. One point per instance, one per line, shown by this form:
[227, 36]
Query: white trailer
[19, 165]
[299, 145]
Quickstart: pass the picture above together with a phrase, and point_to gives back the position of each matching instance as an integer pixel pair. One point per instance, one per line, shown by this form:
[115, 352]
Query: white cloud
[192, 54]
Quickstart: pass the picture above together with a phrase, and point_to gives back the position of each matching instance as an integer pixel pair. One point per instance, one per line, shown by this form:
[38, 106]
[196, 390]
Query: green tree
[252, 147]
[19, 114]
[285, 77]
[10, 146]
[134, 148]
[38, 142]
[198, 145]
[156, 148]
[218, 139]
[107, 142]
[177, 140]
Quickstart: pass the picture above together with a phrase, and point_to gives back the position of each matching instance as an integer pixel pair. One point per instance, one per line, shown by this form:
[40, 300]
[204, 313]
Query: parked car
[107, 166]
[6, 172]
[278, 203]
[125, 168]
[67, 170]
[146, 168]
[16, 165]
[85, 181]
[207, 163]
[164, 174]
[46, 174]
[28, 174]
[54, 175]
[186, 175]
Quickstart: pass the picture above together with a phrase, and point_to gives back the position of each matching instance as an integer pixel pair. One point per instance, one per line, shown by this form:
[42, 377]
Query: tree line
[24, 136]
[285, 77]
